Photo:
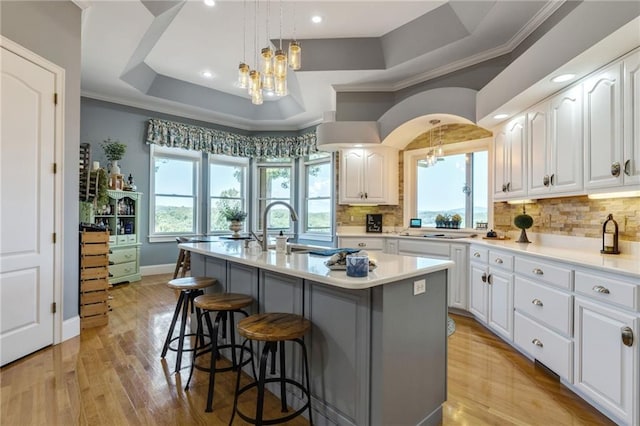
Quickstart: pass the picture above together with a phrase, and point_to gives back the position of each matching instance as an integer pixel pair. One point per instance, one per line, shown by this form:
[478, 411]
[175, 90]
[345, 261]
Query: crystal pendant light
[256, 88]
[281, 86]
[295, 55]
[280, 68]
[243, 76]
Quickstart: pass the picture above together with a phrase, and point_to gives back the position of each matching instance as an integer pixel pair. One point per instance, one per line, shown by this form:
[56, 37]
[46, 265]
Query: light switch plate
[419, 287]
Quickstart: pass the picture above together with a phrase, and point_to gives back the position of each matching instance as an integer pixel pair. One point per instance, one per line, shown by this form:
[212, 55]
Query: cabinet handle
[508, 186]
[627, 336]
[615, 169]
[537, 302]
[627, 168]
[484, 277]
[504, 187]
[552, 179]
[538, 271]
[545, 180]
[537, 342]
[366, 195]
[499, 261]
[601, 289]
[362, 244]
[489, 279]
[476, 254]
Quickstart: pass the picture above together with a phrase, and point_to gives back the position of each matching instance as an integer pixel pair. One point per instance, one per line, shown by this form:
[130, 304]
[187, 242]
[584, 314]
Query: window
[227, 187]
[274, 182]
[175, 181]
[316, 200]
[457, 185]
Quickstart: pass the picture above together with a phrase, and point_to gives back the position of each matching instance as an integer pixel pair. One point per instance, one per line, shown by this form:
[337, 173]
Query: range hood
[334, 135]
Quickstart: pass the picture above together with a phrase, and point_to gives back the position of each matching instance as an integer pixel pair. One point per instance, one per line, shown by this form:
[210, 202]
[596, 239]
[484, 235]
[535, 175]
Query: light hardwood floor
[113, 375]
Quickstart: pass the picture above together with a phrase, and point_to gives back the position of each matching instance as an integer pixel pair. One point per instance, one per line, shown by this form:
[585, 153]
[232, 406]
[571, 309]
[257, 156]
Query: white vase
[235, 226]
[115, 169]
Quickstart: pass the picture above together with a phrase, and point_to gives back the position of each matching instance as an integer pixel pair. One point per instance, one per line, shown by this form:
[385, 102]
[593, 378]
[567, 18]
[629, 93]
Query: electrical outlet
[419, 287]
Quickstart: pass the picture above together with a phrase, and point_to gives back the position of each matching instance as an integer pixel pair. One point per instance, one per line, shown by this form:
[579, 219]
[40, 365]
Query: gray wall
[52, 30]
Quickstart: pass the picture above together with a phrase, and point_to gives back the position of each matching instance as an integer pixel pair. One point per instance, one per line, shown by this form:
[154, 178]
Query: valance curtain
[212, 141]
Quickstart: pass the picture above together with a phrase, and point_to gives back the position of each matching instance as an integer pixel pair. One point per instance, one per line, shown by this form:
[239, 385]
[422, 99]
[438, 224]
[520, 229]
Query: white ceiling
[152, 54]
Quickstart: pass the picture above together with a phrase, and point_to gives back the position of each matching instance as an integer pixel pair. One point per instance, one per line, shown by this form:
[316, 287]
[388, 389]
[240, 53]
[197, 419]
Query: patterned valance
[178, 135]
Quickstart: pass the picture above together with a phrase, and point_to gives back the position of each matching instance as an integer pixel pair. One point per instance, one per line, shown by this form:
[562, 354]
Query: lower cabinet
[478, 292]
[606, 358]
[124, 264]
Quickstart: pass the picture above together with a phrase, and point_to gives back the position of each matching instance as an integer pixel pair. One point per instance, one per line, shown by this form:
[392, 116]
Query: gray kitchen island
[377, 351]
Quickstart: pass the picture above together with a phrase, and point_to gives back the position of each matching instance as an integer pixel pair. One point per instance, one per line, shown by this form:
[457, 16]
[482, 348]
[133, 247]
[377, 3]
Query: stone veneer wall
[392, 215]
[574, 216]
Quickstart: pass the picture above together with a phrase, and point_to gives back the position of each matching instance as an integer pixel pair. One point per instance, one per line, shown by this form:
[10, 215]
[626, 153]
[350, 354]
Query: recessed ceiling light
[562, 78]
[210, 3]
[500, 116]
[358, 145]
[316, 19]
[207, 74]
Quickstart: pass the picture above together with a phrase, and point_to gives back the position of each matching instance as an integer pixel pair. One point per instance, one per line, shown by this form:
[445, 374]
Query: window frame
[234, 162]
[175, 154]
[303, 197]
[410, 174]
[255, 186]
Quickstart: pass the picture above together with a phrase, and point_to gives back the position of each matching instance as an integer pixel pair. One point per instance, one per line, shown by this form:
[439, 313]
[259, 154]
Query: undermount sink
[449, 236]
[300, 248]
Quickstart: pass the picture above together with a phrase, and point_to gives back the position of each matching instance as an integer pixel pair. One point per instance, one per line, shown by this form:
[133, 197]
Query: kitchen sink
[455, 236]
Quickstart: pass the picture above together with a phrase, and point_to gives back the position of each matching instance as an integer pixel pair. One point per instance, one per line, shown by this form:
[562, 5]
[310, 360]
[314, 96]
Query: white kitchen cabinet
[362, 243]
[603, 128]
[368, 176]
[555, 145]
[631, 158]
[478, 291]
[606, 369]
[510, 159]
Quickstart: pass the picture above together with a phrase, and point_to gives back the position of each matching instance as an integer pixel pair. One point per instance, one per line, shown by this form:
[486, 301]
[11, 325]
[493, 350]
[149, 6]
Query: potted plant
[440, 221]
[455, 221]
[236, 216]
[114, 151]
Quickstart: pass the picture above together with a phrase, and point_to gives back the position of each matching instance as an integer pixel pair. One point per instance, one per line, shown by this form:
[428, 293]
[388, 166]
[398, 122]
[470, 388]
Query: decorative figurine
[523, 221]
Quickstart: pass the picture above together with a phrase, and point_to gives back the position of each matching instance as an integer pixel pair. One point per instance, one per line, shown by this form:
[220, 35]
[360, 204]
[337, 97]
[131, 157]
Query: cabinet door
[539, 150]
[631, 165]
[351, 176]
[516, 160]
[566, 141]
[499, 166]
[375, 176]
[457, 277]
[500, 298]
[602, 129]
[605, 368]
[478, 292]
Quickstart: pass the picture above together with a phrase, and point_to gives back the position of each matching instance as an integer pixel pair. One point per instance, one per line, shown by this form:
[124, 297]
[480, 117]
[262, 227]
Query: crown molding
[83, 4]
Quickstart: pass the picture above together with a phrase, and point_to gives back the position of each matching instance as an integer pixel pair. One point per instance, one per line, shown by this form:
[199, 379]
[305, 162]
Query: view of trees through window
[317, 172]
[175, 195]
[457, 185]
[274, 184]
[227, 189]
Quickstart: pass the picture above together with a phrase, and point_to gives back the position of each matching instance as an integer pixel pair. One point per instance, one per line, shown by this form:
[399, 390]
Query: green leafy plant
[113, 150]
[440, 218]
[456, 218]
[233, 213]
[101, 197]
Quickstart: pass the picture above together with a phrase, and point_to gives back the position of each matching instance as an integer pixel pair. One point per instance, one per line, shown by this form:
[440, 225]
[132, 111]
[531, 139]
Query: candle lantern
[610, 236]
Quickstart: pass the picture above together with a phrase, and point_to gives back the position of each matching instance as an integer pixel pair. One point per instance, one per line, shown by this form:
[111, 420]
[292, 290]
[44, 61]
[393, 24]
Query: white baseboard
[167, 268]
[70, 328]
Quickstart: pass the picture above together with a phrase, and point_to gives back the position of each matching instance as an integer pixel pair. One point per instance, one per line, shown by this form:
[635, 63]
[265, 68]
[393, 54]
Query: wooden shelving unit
[94, 278]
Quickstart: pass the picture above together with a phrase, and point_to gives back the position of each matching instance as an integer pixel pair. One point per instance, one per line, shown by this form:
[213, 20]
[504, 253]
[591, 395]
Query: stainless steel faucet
[294, 217]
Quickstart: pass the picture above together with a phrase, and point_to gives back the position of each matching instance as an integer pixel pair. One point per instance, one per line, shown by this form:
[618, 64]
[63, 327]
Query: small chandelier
[435, 153]
[270, 75]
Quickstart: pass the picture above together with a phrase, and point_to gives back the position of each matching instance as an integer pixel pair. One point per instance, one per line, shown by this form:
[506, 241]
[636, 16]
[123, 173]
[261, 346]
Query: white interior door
[26, 207]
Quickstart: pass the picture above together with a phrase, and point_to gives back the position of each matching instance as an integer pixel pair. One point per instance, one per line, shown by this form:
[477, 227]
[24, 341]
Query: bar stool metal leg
[183, 326]
[176, 313]
[283, 380]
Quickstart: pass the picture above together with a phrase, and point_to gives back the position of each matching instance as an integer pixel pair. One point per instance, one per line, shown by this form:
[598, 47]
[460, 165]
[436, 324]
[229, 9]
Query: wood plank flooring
[113, 375]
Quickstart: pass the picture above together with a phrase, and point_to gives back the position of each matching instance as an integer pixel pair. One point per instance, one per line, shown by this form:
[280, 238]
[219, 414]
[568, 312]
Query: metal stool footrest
[279, 419]
[207, 349]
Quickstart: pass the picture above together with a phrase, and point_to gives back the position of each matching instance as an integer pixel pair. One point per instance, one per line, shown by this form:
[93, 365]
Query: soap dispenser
[281, 243]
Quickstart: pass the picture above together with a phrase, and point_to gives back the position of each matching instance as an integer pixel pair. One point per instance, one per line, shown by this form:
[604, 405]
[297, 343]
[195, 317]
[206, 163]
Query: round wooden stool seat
[273, 327]
[191, 283]
[223, 301]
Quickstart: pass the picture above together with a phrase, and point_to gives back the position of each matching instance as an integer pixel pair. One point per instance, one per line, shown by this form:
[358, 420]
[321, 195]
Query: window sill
[167, 238]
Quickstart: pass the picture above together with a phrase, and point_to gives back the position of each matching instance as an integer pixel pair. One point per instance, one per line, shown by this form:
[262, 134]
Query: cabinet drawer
[551, 349]
[362, 243]
[424, 248]
[544, 304]
[123, 256]
[544, 272]
[501, 260]
[131, 238]
[607, 289]
[478, 254]
[123, 269]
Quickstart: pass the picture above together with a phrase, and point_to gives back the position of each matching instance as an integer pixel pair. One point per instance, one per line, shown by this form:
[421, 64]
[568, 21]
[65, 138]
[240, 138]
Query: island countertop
[390, 267]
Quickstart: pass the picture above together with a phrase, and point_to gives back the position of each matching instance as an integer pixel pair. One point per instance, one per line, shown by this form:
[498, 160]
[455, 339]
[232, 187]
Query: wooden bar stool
[274, 329]
[190, 288]
[184, 259]
[226, 305]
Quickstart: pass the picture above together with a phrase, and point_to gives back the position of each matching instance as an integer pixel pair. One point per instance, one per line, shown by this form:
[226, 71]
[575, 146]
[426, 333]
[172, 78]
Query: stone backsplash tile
[574, 216]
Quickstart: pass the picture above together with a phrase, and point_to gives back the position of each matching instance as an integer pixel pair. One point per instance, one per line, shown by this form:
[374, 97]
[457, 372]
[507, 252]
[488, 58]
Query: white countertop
[390, 268]
[574, 250]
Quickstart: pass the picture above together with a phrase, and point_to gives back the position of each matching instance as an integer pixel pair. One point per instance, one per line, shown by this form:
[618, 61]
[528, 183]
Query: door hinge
[55, 168]
[55, 237]
[54, 308]
[55, 99]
